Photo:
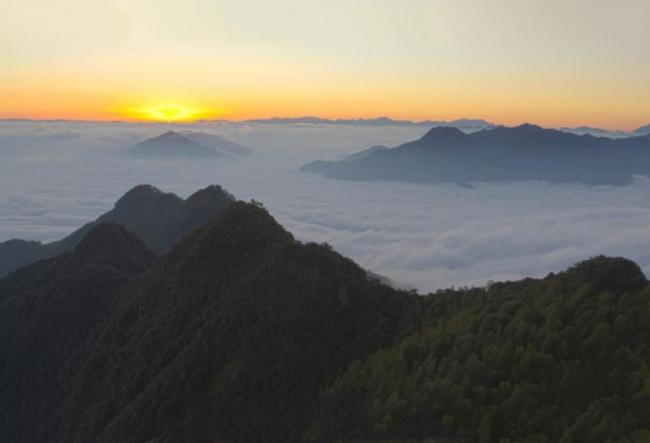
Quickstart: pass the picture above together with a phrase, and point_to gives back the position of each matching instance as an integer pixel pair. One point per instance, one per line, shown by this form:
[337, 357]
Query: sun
[167, 112]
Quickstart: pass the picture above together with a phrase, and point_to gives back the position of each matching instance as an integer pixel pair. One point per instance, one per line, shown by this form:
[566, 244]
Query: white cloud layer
[56, 176]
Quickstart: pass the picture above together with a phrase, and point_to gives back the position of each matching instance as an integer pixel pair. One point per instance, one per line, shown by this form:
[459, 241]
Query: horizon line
[324, 120]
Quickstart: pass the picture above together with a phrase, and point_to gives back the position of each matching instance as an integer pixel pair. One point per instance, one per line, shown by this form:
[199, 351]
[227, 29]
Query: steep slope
[526, 152]
[565, 358]
[231, 336]
[159, 219]
[172, 145]
[47, 310]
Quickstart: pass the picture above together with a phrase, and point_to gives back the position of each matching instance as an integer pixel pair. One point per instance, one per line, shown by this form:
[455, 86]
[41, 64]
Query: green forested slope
[565, 358]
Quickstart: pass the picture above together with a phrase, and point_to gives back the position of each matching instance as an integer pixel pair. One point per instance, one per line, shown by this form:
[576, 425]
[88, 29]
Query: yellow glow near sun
[167, 113]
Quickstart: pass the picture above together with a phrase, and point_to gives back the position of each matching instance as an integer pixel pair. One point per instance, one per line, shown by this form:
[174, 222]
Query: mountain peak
[171, 144]
[240, 232]
[169, 136]
[251, 220]
[210, 195]
[615, 274]
[529, 127]
[140, 195]
[444, 134]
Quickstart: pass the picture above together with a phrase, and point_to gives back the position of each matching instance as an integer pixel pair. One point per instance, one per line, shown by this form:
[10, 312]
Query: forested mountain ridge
[160, 219]
[240, 333]
[526, 152]
[237, 319]
[562, 359]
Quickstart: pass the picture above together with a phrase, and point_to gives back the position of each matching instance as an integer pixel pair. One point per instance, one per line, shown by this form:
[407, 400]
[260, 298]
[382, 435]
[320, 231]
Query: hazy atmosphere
[306, 221]
[58, 176]
[554, 63]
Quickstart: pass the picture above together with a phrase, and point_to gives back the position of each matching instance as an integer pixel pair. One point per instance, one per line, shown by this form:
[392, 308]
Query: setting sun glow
[434, 59]
[167, 113]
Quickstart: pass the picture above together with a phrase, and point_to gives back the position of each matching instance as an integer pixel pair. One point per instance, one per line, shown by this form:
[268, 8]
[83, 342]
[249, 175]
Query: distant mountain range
[159, 219]
[598, 132]
[188, 144]
[240, 333]
[525, 152]
[464, 124]
[467, 125]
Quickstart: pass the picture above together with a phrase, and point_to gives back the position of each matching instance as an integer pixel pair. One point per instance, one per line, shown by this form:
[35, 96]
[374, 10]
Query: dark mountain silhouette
[159, 219]
[525, 152]
[242, 334]
[231, 336]
[217, 143]
[643, 130]
[172, 145]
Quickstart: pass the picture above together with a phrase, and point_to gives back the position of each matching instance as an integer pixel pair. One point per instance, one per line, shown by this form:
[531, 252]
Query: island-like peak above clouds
[444, 134]
[525, 152]
[172, 145]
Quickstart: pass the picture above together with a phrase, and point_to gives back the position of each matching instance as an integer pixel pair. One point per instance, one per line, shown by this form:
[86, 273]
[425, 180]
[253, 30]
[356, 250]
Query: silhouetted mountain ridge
[160, 219]
[525, 152]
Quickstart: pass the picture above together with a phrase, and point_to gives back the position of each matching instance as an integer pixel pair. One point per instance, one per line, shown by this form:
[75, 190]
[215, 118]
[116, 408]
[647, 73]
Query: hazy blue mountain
[160, 219]
[468, 125]
[216, 142]
[643, 130]
[172, 145]
[596, 132]
[525, 152]
[364, 153]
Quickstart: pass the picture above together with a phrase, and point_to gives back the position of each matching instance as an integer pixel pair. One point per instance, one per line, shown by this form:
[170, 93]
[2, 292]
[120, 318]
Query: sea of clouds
[55, 176]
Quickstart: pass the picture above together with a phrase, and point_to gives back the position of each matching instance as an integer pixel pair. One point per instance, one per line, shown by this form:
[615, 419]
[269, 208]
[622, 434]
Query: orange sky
[555, 63]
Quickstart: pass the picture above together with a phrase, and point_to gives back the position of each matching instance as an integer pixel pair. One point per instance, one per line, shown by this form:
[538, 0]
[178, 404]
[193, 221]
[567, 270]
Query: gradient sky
[552, 62]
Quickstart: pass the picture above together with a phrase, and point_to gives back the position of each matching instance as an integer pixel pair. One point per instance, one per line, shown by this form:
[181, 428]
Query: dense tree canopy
[562, 359]
[242, 334]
